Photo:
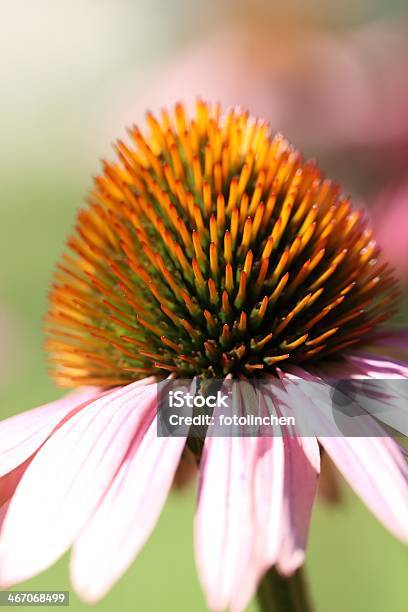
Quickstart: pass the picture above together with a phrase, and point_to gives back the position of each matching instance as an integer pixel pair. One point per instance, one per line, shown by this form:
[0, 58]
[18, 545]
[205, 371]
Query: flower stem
[278, 594]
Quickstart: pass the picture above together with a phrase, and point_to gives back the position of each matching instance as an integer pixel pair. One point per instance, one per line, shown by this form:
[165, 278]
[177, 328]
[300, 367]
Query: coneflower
[209, 249]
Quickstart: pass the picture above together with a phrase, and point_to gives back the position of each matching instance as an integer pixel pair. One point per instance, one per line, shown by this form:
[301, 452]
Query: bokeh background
[332, 76]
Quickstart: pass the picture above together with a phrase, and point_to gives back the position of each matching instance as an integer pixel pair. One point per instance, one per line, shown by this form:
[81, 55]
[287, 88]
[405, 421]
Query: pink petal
[299, 494]
[238, 516]
[316, 400]
[379, 367]
[23, 434]
[374, 466]
[9, 482]
[126, 516]
[224, 530]
[66, 480]
[378, 472]
[3, 512]
[384, 394]
[302, 466]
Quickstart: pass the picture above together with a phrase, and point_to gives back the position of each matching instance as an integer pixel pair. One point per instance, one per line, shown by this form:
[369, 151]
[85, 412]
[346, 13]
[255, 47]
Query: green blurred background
[72, 74]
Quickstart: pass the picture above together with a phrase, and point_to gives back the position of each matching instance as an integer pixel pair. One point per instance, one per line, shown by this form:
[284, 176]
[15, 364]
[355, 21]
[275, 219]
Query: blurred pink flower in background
[390, 215]
[342, 94]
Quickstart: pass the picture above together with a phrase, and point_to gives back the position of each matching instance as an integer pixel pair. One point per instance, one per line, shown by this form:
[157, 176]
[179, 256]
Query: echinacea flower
[208, 249]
